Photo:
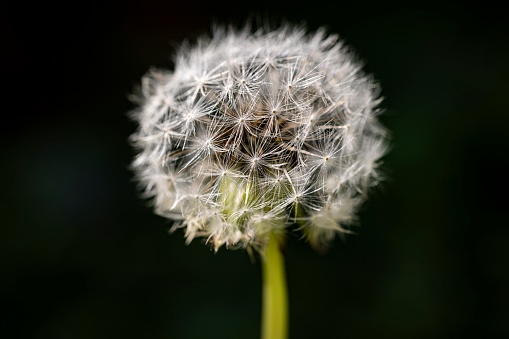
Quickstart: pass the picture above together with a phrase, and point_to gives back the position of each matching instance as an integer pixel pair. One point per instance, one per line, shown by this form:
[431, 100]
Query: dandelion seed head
[255, 132]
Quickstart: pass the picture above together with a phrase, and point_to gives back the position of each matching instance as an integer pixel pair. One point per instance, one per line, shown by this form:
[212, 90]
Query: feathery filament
[252, 133]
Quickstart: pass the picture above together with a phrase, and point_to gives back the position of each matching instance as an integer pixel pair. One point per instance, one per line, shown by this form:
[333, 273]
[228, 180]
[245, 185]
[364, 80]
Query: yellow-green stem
[275, 299]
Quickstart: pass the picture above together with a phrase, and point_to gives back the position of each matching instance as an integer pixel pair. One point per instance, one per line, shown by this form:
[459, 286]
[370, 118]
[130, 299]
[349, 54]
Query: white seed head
[255, 132]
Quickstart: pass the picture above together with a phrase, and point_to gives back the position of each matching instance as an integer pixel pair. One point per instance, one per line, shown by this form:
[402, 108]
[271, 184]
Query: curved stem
[275, 299]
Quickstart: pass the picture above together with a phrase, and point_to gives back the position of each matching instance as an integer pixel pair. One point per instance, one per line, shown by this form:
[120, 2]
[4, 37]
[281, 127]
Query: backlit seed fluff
[253, 133]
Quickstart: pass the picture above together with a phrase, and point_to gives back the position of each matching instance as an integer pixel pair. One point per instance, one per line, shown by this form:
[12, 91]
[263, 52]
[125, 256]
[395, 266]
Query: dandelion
[255, 134]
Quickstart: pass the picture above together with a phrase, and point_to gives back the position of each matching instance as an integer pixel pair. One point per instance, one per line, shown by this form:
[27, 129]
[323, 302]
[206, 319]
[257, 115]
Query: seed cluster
[255, 132]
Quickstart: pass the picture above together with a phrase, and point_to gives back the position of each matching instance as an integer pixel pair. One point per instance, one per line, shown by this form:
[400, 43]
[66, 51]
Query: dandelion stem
[275, 300]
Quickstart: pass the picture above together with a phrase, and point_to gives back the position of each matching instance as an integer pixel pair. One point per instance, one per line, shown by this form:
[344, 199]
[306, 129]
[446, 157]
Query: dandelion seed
[253, 133]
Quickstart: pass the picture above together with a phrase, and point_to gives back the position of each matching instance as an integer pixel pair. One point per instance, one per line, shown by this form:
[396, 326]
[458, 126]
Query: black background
[81, 256]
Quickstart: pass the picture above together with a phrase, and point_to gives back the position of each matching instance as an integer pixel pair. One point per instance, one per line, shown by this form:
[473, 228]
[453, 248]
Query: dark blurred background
[82, 256]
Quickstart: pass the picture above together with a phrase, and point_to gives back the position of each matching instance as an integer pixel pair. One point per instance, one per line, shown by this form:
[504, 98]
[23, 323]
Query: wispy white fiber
[258, 132]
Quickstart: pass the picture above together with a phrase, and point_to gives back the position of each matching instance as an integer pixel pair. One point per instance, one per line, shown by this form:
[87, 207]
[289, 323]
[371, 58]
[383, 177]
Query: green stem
[275, 300]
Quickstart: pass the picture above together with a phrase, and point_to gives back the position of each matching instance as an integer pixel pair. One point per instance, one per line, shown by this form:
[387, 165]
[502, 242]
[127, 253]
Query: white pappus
[257, 132]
